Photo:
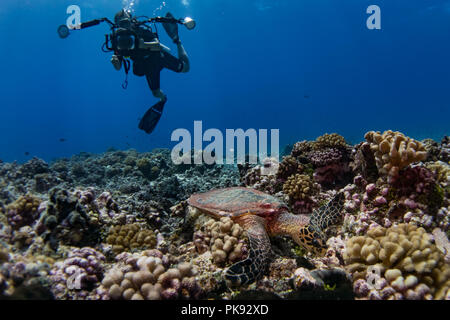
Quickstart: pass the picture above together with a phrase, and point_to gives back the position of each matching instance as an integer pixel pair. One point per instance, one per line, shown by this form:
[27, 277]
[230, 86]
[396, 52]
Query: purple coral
[331, 166]
[82, 270]
[416, 179]
[321, 158]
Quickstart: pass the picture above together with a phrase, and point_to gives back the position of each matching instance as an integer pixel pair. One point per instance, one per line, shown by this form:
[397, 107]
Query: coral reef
[332, 140]
[225, 240]
[130, 237]
[262, 177]
[300, 188]
[23, 211]
[117, 225]
[149, 276]
[66, 220]
[289, 166]
[394, 151]
[77, 275]
[404, 257]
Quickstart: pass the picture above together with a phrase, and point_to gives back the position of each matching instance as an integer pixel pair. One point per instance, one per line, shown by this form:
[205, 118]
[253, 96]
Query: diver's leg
[182, 55]
[159, 94]
[154, 82]
[181, 64]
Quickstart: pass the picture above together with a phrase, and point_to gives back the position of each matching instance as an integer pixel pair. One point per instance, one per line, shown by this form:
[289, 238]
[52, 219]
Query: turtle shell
[234, 202]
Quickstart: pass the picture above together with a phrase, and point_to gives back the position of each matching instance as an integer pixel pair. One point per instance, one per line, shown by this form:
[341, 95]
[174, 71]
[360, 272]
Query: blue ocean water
[304, 67]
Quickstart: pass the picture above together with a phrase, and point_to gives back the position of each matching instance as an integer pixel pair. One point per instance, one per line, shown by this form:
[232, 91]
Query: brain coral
[130, 237]
[394, 151]
[148, 276]
[409, 263]
[225, 239]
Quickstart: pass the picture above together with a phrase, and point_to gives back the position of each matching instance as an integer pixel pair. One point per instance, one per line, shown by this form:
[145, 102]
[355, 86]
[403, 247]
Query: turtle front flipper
[329, 214]
[253, 268]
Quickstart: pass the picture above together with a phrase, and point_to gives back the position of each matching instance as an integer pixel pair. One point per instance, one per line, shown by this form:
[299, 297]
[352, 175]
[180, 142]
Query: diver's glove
[116, 62]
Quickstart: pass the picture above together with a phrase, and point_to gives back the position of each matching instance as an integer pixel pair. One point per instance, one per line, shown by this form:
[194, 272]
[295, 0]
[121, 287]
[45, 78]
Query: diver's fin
[171, 28]
[151, 117]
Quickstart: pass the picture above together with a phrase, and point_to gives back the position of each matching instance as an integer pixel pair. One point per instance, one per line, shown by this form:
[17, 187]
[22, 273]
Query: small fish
[306, 96]
[27, 153]
[62, 140]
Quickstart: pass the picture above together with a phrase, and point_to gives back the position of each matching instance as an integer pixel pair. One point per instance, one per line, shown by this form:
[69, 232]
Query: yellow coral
[441, 170]
[130, 237]
[394, 151]
[299, 187]
[288, 167]
[332, 140]
[405, 254]
[23, 211]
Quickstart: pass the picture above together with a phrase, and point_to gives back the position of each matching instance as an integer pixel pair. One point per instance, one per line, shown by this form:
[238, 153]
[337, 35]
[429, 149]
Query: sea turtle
[262, 215]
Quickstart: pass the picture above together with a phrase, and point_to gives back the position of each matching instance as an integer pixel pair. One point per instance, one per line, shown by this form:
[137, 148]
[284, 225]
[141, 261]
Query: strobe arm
[91, 23]
[95, 22]
[64, 31]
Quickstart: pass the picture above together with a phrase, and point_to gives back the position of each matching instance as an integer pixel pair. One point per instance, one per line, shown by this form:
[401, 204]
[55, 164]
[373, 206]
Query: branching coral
[394, 151]
[225, 239]
[404, 257]
[301, 148]
[288, 167]
[130, 237]
[300, 187]
[23, 211]
[149, 276]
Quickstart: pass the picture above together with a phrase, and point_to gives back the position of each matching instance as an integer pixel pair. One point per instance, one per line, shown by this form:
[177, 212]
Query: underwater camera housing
[124, 41]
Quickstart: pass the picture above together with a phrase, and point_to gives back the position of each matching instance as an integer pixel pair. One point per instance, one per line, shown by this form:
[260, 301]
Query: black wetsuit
[150, 63]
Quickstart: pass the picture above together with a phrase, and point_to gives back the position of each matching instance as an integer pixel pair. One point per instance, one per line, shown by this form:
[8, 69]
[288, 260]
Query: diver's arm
[182, 55]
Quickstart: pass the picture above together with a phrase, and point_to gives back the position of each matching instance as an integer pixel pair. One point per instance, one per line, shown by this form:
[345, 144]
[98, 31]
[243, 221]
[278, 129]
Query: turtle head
[311, 239]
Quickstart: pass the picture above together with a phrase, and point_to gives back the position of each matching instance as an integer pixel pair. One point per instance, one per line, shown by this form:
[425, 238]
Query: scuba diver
[133, 39]
[150, 59]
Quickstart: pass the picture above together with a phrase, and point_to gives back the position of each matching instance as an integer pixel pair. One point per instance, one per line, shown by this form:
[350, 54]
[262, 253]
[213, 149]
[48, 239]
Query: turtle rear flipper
[329, 214]
[253, 268]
